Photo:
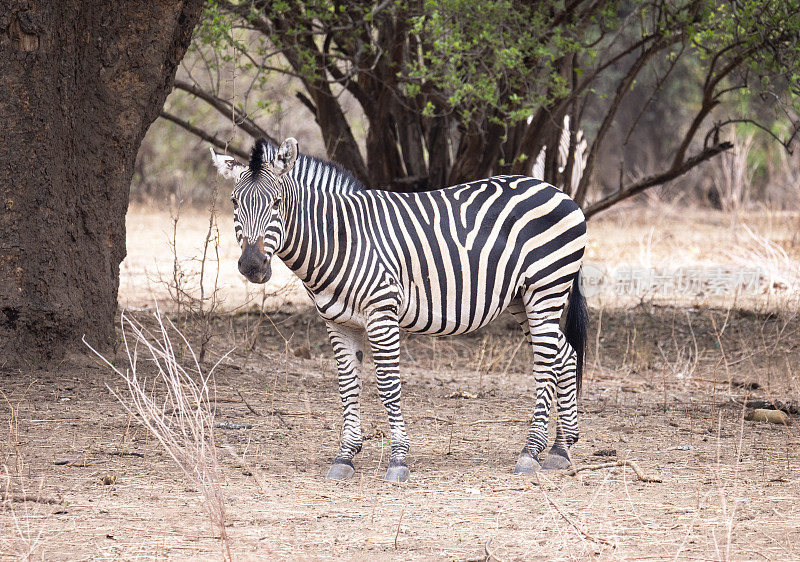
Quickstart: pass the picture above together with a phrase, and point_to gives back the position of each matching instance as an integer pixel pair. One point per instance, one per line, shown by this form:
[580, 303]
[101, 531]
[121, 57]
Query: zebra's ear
[286, 156]
[227, 166]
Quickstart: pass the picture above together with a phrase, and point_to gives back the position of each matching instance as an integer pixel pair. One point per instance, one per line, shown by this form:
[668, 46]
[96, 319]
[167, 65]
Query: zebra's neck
[315, 188]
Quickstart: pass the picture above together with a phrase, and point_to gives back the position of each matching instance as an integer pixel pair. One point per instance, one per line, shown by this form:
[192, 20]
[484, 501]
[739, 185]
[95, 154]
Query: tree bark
[81, 83]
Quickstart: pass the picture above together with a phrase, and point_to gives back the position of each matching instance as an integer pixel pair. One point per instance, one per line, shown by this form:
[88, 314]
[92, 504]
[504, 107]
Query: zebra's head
[258, 203]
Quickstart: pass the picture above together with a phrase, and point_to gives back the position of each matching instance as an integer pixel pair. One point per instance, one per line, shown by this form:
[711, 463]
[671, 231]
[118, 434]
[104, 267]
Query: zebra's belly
[424, 321]
[440, 308]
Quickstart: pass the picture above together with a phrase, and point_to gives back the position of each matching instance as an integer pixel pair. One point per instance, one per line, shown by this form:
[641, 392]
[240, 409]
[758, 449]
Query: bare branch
[226, 108]
[656, 179]
[222, 145]
[786, 144]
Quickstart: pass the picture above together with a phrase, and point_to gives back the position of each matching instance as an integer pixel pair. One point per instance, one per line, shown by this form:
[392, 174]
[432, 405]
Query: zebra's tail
[576, 325]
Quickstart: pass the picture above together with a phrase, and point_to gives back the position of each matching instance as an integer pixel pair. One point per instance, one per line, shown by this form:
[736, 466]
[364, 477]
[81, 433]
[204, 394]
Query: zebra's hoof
[557, 459]
[526, 464]
[397, 472]
[340, 471]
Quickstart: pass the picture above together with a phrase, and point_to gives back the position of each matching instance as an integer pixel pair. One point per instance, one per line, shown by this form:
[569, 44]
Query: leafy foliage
[451, 90]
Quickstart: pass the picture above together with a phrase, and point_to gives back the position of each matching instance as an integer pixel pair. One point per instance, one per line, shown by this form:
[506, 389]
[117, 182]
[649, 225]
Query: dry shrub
[25, 520]
[177, 409]
[781, 271]
[187, 287]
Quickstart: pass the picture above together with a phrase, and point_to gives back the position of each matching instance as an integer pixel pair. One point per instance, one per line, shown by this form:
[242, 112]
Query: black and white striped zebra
[438, 262]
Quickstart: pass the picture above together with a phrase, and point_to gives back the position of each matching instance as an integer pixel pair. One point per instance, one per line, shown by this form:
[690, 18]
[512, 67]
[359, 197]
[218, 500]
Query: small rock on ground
[772, 416]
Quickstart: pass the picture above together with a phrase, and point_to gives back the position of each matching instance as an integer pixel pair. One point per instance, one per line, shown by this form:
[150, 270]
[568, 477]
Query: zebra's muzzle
[253, 263]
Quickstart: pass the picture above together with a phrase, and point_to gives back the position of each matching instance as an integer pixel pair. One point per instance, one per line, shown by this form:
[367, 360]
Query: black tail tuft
[576, 325]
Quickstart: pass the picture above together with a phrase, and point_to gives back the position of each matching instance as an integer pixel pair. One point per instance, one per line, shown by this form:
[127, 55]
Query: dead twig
[489, 554]
[571, 522]
[514, 488]
[246, 469]
[314, 414]
[640, 474]
[249, 407]
[397, 532]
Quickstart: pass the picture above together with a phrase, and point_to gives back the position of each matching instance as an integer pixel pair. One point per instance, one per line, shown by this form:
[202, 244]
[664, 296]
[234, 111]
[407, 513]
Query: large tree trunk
[80, 83]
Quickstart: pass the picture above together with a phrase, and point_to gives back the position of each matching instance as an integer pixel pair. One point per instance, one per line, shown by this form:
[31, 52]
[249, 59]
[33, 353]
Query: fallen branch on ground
[636, 468]
[505, 420]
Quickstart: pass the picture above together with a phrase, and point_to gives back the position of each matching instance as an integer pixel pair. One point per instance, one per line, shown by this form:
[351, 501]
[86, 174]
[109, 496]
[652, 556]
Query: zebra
[439, 262]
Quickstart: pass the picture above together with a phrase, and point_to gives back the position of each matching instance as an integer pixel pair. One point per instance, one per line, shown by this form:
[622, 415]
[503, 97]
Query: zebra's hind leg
[348, 348]
[383, 332]
[543, 316]
[567, 407]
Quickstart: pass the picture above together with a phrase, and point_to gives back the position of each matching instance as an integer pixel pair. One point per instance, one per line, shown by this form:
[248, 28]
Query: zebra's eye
[276, 205]
[235, 203]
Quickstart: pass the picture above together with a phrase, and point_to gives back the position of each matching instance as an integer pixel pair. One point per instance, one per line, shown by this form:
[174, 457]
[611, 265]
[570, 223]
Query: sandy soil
[662, 238]
[665, 387]
[155, 246]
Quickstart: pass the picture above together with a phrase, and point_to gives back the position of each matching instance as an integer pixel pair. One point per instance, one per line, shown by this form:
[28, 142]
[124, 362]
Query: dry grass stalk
[779, 268]
[182, 419]
[27, 535]
[640, 474]
[489, 554]
[569, 520]
[13, 428]
[397, 531]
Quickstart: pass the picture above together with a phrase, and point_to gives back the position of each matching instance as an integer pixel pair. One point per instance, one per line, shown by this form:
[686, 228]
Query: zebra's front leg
[567, 409]
[348, 348]
[383, 332]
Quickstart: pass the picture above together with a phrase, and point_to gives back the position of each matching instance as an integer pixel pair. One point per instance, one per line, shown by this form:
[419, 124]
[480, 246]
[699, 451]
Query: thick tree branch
[656, 179]
[302, 98]
[222, 145]
[226, 108]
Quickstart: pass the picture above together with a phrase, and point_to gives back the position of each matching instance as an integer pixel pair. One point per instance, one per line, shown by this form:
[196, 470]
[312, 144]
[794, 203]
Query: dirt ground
[666, 387]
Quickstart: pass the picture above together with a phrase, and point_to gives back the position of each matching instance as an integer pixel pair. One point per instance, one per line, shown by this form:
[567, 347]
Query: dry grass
[177, 408]
[661, 235]
[150, 261]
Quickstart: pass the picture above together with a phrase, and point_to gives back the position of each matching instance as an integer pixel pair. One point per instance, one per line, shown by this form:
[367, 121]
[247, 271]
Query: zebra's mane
[257, 155]
[339, 178]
